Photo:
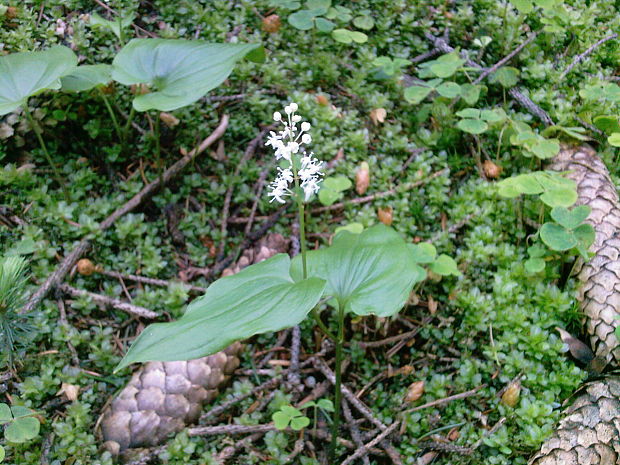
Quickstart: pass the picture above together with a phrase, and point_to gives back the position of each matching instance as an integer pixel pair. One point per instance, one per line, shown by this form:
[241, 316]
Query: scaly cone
[589, 434]
[164, 397]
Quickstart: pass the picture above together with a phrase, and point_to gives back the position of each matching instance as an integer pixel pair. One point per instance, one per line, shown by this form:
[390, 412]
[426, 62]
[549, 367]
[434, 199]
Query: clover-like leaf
[116, 26]
[557, 237]
[607, 123]
[25, 74]
[534, 265]
[364, 22]
[470, 93]
[370, 273]
[449, 89]
[585, 235]
[472, 126]
[346, 36]
[570, 219]
[559, 197]
[86, 77]
[324, 25]
[445, 266]
[22, 429]
[423, 252]
[506, 76]
[178, 71]
[614, 139]
[332, 189]
[302, 19]
[545, 148]
[5, 414]
[2, 453]
[299, 423]
[280, 420]
[415, 94]
[259, 299]
[446, 65]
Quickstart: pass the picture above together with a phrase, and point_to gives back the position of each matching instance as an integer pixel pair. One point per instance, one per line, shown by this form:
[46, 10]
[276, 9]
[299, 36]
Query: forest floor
[477, 361]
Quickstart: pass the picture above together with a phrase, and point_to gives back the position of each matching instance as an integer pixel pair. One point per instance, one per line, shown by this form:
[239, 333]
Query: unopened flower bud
[306, 138]
[305, 126]
[296, 119]
[277, 116]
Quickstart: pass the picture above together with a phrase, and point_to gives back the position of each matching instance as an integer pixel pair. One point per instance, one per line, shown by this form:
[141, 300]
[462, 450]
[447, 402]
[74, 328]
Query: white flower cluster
[287, 144]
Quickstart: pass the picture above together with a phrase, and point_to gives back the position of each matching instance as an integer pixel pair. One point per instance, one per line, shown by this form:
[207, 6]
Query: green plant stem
[37, 131]
[117, 128]
[160, 166]
[132, 113]
[338, 384]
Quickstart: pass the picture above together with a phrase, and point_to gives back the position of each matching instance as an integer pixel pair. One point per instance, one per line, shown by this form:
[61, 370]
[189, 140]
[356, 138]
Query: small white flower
[288, 109]
[293, 106]
[305, 126]
[277, 116]
[306, 139]
[296, 119]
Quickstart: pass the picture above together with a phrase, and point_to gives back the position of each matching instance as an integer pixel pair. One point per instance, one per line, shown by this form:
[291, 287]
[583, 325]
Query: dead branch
[579, 58]
[506, 59]
[445, 400]
[84, 245]
[151, 281]
[366, 447]
[355, 432]
[514, 92]
[109, 302]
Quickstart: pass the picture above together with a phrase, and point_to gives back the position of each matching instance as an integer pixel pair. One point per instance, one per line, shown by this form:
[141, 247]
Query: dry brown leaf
[414, 391]
[378, 115]
[491, 170]
[11, 12]
[405, 370]
[219, 153]
[362, 178]
[385, 215]
[454, 434]
[139, 89]
[271, 23]
[70, 391]
[432, 305]
[511, 395]
[427, 458]
[322, 100]
[577, 348]
[169, 119]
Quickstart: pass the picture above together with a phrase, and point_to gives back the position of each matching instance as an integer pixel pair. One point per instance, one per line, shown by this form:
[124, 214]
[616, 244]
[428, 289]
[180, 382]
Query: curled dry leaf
[322, 100]
[414, 391]
[510, 397]
[11, 12]
[491, 170]
[70, 391]
[577, 348]
[169, 119]
[271, 23]
[427, 458]
[362, 178]
[85, 267]
[432, 305]
[378, 115]
[404, 370]
[385, 215]
[6, 131]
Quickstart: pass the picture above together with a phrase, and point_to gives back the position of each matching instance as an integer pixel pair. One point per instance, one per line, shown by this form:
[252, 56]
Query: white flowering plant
[372, 272]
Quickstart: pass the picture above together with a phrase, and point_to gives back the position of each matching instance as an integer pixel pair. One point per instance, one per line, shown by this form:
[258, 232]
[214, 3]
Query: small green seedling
[389, 67]
[568, 231]
[117, 26]
[476, 121]
[333, 189]
[554, 189]
[290, 416]
[468, 92]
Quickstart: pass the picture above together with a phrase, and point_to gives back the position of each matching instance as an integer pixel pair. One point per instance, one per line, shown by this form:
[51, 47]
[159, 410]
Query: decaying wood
[589, 434]
[163, 397]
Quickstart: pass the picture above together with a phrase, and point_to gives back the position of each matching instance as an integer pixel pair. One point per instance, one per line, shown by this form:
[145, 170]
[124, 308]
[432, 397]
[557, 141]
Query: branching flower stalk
[302, 171]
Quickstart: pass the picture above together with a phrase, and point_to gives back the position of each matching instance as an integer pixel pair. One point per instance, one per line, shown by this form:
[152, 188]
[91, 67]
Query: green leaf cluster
[415, 94]
[332, 189]
[554, 189]
[568, 231]
[474, 121]
[20, 423]
[290, 416]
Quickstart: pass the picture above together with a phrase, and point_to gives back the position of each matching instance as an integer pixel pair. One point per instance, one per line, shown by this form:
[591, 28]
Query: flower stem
[338, 384]
[37, 130]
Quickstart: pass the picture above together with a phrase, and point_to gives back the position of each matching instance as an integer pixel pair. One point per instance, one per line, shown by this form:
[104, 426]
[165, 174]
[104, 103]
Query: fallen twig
[514, 92]
[579, 58]
[366, 447]
[445, 400]
[109, 302]
[506, 59]
[355, 432]
[84, 245]
[151, 281]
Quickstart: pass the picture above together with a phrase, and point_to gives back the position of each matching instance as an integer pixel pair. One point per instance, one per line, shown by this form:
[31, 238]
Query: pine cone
[163, 397]
[589, 434]
[600, 292]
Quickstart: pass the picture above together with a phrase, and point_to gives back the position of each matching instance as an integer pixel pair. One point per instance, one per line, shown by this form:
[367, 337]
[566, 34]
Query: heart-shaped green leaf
[449, 89]
[545, 148]
[86, 77]
[446, 65]
[585, 235]
[364, 22]
[302, 19]
[260, 298]
[346, 36]
[506, 76]
[337, 183]
[19, 411]
[415, 94]
[22, 429]
[445, 266]
[570, 219]
[559, 197]
[5, 414]
[2, 453]
[557, 237]
[423, 252]
[607, 123]
[372, 272]
[299, 423]
[534, 265]
[470, 93]
[324, 25]
[614, 139]
[25, 74]
[116, 26]
[469, 113]
[280, 420]
[178, 71]
[472, 126]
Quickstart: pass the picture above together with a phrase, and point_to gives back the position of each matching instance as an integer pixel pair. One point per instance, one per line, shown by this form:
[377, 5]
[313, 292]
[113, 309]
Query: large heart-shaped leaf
[557, 237]
[178, 71]
[371, 272]
[86, 77]
[28, 73]
[260, 298]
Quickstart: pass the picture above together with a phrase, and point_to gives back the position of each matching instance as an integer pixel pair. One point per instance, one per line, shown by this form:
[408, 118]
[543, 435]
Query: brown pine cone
[589, 434]
[600, 292]
[163, 397]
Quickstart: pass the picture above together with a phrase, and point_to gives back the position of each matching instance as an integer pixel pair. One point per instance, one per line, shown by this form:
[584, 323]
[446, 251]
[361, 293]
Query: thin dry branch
[579, 58]
[506, 59]
[84, 245]
[109, 302]
[514, 92]
[151, 281]
[361, 451]
[445, 400]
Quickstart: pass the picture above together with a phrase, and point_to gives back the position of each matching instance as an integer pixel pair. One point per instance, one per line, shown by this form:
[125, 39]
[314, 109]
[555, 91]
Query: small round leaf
[557, 237]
